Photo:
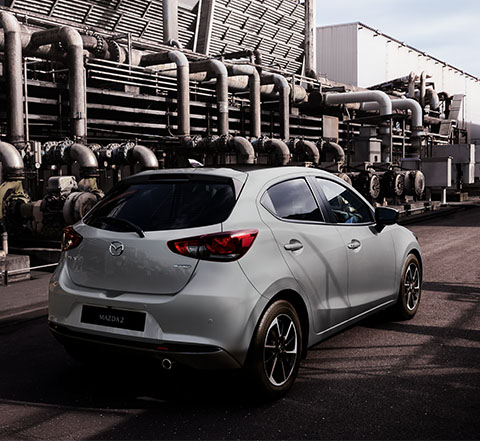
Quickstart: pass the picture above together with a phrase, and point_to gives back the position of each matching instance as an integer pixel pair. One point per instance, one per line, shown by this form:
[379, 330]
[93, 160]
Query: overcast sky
[445, 29]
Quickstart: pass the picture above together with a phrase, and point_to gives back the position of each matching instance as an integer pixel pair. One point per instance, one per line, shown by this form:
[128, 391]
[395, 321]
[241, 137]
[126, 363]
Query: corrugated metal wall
[141, 18]
[275, 27]
[337, 53]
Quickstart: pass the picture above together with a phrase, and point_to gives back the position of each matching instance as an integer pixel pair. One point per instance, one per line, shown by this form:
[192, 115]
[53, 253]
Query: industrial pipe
[411, 84]
[218, 69]
[308, 148]
[277, 146]
[244, 148]
[404, 104]
[385, 105]
[183, 93]
[170, 23]
[72, 43]
[432, 98]
[336, 149]
[284, 90]
[254, 87]
[144, 156]
[84, 156]
[11, 161]
[423, 77]
[13, 73]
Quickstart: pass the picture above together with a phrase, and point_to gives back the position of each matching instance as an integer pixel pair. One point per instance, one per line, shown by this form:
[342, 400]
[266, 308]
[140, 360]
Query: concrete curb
[23, 315]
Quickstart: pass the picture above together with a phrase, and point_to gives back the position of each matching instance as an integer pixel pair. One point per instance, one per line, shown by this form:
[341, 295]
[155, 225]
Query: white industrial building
[354, 53]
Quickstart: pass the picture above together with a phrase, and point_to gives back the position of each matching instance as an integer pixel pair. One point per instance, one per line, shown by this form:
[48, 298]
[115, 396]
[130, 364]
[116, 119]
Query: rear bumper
[208, 324]
[194, 356]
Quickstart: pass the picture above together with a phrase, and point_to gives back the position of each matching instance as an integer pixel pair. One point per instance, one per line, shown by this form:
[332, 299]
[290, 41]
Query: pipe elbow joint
[9, 23]
[12, 161]
[244, 149]
[84, 156]
[144, 156]
[70, 37]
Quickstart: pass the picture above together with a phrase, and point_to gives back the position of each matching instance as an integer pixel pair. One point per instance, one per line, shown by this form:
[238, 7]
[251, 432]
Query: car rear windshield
[164, 205]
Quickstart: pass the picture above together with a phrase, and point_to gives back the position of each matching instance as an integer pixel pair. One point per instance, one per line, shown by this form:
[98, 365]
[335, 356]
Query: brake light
[220, 247]
[70, 239]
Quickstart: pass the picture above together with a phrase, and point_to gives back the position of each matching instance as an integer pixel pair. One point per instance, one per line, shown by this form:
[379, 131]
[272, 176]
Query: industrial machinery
[94, 91]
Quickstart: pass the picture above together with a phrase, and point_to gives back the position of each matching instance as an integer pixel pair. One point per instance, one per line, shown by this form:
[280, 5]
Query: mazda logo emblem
[116, 248]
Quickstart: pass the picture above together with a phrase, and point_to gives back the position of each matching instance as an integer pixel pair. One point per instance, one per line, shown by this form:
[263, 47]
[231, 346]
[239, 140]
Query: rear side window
[165, 205]
[292, 200]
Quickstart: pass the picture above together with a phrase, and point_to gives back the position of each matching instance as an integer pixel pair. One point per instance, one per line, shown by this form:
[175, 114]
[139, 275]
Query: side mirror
[385, 216]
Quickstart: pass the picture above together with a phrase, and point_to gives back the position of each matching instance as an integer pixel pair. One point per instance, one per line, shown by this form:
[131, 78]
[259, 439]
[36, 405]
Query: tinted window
[165, 205]
[292, 200]
[346, 206]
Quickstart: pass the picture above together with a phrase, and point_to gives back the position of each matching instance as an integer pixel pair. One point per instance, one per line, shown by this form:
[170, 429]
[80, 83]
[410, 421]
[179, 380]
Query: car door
[370, 251]
[312, 249]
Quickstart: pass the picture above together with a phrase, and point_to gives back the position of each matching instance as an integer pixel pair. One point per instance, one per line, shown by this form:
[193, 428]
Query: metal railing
[5, 274]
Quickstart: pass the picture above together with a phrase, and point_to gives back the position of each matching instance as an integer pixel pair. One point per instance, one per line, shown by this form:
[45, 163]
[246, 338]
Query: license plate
[114, 318]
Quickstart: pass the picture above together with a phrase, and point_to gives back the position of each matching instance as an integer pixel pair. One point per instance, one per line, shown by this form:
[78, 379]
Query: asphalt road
[380, 379]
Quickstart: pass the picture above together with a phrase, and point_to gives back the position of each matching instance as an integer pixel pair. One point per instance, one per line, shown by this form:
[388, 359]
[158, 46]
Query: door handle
[354, 244]
[294, 245]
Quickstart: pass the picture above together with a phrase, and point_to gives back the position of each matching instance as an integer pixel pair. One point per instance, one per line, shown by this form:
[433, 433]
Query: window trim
[320, 204]
[329, 210]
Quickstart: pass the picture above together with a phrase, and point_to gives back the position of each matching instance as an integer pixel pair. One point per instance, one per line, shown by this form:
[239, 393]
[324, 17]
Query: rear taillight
[70, 239]
[227, 246]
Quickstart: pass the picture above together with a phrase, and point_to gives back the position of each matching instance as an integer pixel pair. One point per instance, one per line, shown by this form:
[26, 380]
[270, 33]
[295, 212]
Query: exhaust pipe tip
[167, 364]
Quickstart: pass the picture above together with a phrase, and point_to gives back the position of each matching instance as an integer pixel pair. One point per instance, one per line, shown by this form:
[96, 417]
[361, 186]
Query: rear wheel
[410, 289]
[276, 349]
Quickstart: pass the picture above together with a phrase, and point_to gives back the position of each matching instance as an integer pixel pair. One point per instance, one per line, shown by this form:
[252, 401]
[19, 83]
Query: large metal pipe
[254, 87]
[423, 82]
[284, 91]
[244, 149]
[183, 82]
[276, 146]
[84, 156]
[170, 23]
[411, 84]
[13, 73]
[336, 149]
[144, 156]
[310, 39]
[72, 43]
[308, 148]
[384, 103]
[432, 98]
[404, 104]
[11, 161]
[218, 69]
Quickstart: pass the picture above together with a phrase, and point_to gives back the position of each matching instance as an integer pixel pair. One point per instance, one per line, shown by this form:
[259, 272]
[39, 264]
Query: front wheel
[275, 352]
[410, 289]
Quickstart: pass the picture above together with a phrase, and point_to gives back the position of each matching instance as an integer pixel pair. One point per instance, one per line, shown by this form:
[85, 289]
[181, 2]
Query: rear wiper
[121, 222]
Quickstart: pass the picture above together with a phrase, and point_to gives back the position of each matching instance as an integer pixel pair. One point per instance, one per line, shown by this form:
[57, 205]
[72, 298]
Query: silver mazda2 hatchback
[217, 268]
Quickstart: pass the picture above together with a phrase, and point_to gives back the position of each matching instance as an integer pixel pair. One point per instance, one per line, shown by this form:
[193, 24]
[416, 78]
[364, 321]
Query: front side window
[165, 205]
[292, 200]
[345, 205]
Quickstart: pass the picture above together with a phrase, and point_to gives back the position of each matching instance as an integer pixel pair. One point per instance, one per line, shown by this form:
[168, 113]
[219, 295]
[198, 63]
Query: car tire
[274, 356]
[410, 289]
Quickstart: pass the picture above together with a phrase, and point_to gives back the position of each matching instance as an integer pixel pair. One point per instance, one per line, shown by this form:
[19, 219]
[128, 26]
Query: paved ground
[378, 380]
